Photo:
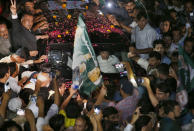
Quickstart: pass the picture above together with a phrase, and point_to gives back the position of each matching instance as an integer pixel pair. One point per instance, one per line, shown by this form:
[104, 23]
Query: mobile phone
[139, 80]
[120, 68]
[20, 112]
[6, 87]
[191, 14]
[119, 65]
[124, 73]
[97, 110]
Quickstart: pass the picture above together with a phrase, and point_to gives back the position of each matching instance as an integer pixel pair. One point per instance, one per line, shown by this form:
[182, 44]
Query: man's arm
[4, 103]
[30, 118]
[41, 59]
[57, 96]
[101, 95]
[67, 100]
[40, 104]
[144, 51]
[140, 61]
[16, 27]
[128, 29]
[152, 97]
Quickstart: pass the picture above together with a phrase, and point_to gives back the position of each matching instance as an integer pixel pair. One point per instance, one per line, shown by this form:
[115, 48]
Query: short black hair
[190, 104]
[163, 87]
[3, 21]
[23, 52]
[10, 124]
[141, 14]
[175, 54]
[44, 93]
[73, 110]
[169, 105]
[26, 13]
[172, 11]
[87, 122]
[56, 122]
[109, 111]
[46, 67]
[171, 83]
[12, 67]
[3, 69]
[156, 42]
[28, 1]
[166, 18]
[141, 122]
[163, 69]
[188, 1]
[25, 95]
[176, 28]
[167, 34]
[155, 55]
[188, 40]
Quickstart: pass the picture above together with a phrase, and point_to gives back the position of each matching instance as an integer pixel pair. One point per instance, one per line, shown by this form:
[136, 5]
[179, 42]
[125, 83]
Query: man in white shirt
[143, 35]
[107, 62]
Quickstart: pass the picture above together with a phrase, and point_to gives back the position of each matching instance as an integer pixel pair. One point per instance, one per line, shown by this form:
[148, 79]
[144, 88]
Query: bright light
[109, 4]
[100, 12]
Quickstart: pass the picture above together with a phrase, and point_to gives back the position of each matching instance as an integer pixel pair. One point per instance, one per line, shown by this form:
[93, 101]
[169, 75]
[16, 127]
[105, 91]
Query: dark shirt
[1, 88]
[167, 124]
[22, 37]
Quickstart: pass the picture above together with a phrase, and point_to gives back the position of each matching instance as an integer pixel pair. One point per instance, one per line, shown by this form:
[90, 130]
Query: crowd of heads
[35, 97]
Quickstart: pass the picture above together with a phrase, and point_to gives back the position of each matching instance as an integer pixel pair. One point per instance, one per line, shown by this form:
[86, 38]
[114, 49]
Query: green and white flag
[84, 58]
[186, 70]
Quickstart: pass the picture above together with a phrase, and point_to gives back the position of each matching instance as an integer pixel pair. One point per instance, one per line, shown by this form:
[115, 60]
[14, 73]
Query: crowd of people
[161, 54]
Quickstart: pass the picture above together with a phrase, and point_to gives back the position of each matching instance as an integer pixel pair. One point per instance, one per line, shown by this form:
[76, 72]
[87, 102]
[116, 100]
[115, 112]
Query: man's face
[159, 48]
[3, 31]
[188, 47]
[177, 111]
[29, 6]
[27, 21]
[80, 125]
[188, 7]
[174, 59]
[129, 7]
[149, 126]
[62, 89]
[33, 53]
[142, 23]
[104, 55]
[18, 59]
[161, 95]
[114, 117]
[167, 41]
[176, 35]
[153, 62]
[173, 15]
[166, 26]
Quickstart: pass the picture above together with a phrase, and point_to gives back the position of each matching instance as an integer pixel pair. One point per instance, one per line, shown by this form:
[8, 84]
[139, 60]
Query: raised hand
[13, 8]
[146, 82]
